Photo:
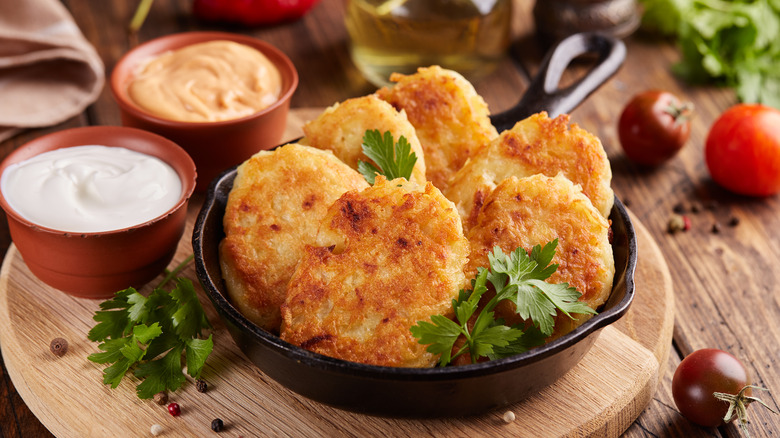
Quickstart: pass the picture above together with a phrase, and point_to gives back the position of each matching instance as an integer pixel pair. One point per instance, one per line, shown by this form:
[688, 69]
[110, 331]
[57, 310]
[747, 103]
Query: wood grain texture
[600, 397]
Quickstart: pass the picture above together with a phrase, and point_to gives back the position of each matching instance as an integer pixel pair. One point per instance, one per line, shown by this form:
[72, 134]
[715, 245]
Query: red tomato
[653, 127]
[701, 374]
[743, 150]
[251, 12]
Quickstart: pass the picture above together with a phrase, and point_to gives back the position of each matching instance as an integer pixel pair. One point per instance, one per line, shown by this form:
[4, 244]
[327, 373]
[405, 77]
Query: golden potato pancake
[273, 211]
[340, 129]
[537, 144]
[524, 212]
[451, 119]
[385, 258]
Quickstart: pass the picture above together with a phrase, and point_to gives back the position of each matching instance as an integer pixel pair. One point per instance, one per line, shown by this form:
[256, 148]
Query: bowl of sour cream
[98, 209]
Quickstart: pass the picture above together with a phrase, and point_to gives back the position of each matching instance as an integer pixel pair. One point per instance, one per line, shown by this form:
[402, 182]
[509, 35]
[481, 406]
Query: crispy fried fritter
[274, 209]
[451, 119]
[538, 209]
[341, 127]
[537, 144]
[385, 258]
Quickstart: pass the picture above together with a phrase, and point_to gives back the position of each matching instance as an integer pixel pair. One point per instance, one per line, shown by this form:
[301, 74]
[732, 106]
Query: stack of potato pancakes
[314, 253]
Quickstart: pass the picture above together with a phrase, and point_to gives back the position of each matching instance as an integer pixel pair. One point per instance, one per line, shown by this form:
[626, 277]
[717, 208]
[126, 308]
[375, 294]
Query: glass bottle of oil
[468, 36]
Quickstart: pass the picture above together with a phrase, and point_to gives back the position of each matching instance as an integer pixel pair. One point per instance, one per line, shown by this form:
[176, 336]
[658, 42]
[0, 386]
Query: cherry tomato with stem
[742, 151]
[710, 387]
[654, 126]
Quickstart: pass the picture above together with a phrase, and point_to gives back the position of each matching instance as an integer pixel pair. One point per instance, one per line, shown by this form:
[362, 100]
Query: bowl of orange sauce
[220, 96]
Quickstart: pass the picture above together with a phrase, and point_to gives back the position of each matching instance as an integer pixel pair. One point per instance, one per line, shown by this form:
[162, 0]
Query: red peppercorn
[174, 409]
[686, 223]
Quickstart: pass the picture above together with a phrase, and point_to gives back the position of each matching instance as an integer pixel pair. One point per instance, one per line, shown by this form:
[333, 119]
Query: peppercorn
[217, 425]
[678, 208]
[678, 222]
[174, 409]
[509, 417]
[695, 207]
[201, 385]
[734, 221]
[715, 228]
[58, 347]
[156, 429]
[161, 398]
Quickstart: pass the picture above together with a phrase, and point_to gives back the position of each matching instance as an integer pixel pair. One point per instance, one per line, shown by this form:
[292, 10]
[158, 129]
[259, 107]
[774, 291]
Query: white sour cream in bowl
[91, 188]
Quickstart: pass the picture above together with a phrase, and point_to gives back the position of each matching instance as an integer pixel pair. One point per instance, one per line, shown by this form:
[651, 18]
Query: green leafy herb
[736, 43]
[395, 160]
[518, 277]
[150, 334]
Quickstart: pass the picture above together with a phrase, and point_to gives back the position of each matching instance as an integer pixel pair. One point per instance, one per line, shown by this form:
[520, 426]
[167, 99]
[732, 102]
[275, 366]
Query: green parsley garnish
[395, 160]
[518, 277]
[734, 43]
[150, 334]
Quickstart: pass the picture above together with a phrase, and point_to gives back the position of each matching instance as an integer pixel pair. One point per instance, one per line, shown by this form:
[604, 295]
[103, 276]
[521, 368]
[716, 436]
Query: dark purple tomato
[653, 127]
[701, 374]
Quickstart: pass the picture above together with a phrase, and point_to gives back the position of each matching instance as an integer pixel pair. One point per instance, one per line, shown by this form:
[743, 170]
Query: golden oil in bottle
[468, 36]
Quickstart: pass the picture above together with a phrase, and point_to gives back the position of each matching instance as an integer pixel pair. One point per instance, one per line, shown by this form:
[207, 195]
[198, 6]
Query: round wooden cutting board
[599, 397]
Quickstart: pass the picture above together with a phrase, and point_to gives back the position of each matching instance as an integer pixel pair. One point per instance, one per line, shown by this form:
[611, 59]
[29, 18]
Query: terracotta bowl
[214, 146]
[406, 392]
[95, 265]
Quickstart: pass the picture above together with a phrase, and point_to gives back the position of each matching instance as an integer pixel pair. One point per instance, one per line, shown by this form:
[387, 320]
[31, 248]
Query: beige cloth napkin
[48, 71]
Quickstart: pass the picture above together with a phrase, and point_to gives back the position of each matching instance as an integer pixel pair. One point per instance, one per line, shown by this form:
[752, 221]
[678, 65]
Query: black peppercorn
[678, 208]
[715, 228]
[217, 425]
[734, 221]
[58, 347]
[201, 385]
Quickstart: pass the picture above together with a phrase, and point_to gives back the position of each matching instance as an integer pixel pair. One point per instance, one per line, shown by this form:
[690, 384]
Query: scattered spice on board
[161, 398]
[509, 417]
[201, 385]
[174, 409]
[58, 347]
[715, 228]
[678, 222]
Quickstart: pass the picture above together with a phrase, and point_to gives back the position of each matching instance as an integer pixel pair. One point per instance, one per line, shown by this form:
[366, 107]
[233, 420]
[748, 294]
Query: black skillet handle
[543, 93]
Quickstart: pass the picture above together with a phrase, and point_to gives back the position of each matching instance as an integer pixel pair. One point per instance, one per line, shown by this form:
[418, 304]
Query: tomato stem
[739, 403]
[681, 113]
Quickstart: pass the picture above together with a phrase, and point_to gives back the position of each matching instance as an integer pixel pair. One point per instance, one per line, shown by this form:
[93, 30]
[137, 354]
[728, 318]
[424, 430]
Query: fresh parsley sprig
[736, 43]
[395, 159]
[518, 277]
[150, 334]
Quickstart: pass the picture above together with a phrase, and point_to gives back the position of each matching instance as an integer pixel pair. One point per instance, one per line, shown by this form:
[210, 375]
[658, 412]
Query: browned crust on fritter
[537, 144]
[341, 127]
[538, 209]
[451, 119]
[273, 211]
[386, 258]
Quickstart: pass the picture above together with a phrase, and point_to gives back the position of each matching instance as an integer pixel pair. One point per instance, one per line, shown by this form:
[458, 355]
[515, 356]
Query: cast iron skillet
[429, 392]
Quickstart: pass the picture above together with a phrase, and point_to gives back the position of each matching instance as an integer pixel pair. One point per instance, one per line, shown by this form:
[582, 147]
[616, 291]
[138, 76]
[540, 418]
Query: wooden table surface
[725, 282]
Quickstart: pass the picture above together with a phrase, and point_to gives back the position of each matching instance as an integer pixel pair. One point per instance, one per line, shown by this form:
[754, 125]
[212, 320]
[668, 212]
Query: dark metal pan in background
[433, 392]
[544, 94]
